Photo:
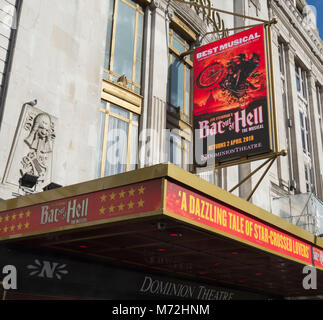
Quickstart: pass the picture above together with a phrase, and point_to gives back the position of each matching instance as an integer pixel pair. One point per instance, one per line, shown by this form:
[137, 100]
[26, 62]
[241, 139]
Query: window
[118, 140]
[179, 100]
[179, 84]
[208, 176]
[309, 178]
[298, 79]
[307, 148]
[124, 42]
[301, 81]
[305, 132]
[121, 103]
[179, 149]
[320, 109]
[281, 58]
[254, 8]
[319, 100]
[282, 65]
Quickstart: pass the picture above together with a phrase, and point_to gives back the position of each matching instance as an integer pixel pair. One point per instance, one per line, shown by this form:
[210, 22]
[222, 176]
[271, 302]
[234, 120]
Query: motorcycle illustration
[233, 77]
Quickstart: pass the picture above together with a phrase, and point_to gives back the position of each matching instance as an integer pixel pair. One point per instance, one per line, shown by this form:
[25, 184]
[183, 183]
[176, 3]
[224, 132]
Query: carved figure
[40, 141]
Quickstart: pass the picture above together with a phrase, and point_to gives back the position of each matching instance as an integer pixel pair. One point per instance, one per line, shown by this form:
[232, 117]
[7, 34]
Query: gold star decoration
[12, 228]
[5, 229]
[21, 215]
[28, 213]
[141, 203]
[1, 219]
[102, 210]
[103, 198]
[27, 225]
[112, 196]
[122, 194]
[131, 192]
[111, 209]
[19, 226]
[6, 218]
[141, 190]
[130, 205]
[121, 206]
[13, 217]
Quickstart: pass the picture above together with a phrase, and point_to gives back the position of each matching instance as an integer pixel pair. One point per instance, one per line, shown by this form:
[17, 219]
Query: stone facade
[58, 61]
[297, 38]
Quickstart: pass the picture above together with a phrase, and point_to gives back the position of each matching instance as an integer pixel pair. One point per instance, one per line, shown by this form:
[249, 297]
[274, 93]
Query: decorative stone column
[281, 120]
[152, 138]
[293, 111]
[315, 132]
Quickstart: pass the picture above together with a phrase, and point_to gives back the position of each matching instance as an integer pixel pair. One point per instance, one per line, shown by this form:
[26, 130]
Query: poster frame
[272, 115]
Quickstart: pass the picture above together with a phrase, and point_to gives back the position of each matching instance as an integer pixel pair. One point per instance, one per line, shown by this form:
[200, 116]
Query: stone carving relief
[40, 142]
[32, 150]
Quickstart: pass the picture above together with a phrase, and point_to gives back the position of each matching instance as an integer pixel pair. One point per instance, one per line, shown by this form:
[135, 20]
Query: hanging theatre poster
[233, 116]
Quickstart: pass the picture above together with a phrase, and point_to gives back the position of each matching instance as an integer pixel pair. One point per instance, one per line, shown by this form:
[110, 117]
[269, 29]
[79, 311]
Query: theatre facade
[100, 195]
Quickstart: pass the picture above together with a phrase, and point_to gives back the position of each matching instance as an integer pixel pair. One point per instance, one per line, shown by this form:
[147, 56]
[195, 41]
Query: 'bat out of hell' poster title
[230, 97]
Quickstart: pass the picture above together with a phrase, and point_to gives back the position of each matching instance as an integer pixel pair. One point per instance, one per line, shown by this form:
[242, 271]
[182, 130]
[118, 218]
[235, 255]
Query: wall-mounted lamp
[28, 181]
[52, 186]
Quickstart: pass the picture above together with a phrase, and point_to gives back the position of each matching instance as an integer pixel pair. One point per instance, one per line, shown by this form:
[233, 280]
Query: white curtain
[117, 145]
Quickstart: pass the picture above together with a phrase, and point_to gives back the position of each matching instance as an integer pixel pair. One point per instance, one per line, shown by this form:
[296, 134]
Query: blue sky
[318, 4]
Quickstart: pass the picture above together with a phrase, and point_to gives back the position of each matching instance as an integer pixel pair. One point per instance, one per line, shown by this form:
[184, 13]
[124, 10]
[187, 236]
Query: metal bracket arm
[271, 161]
[267, 23]
[222, 11]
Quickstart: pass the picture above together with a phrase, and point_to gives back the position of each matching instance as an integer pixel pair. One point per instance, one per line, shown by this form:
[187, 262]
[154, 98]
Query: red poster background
[215, 99]
[318, 257]
[231, 111]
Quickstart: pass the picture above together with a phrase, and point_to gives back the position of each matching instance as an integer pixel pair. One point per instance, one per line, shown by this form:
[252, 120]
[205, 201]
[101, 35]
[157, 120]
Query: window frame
[184, 146]
[107, 114]
[109, 73]
[188, 64]
[319, 92]
[282, 67]
[281, 54]
[181, 121]
[307, 146]
[306, 133]
[301, 78]
[319, 99]
[309, 177]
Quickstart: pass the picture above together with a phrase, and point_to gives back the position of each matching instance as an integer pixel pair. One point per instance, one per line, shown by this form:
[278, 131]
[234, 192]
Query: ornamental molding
[158, 4]
[296, 20]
